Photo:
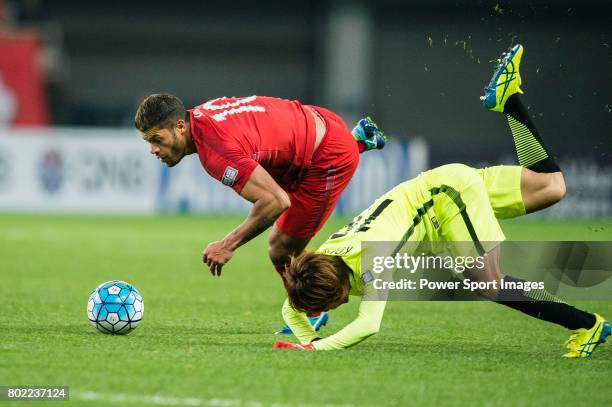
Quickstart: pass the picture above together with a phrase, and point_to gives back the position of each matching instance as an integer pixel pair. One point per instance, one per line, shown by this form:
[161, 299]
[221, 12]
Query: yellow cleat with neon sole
[583, 342]
[506, 80]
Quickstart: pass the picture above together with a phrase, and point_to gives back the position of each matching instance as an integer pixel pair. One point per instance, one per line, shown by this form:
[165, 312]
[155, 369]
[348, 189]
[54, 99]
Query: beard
[177, 152]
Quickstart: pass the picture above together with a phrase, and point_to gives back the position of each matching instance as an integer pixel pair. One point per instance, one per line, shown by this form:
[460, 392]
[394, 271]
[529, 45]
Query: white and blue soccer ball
[115, 307]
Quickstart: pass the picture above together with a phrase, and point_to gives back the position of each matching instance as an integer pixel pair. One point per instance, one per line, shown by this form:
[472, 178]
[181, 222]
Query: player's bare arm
[269, 202]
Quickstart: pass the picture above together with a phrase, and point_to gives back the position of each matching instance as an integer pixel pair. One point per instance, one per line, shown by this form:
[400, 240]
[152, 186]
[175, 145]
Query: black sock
[551, 309]
[530, 149]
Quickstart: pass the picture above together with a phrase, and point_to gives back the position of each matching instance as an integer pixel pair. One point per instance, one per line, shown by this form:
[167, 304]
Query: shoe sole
[491, 88]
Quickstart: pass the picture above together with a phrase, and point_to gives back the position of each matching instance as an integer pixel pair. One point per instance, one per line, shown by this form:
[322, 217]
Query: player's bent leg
[333, 165]
[281, 247]
[490, 273]
[541, 190]
[503, 95]
[587, 331]
[467, 214]
[514, 191]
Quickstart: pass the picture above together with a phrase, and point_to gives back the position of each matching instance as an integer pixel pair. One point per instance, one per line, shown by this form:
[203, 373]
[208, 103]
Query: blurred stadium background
[72, 75]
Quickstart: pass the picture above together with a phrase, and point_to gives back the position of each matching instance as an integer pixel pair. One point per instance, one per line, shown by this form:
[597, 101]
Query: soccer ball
[115, 307]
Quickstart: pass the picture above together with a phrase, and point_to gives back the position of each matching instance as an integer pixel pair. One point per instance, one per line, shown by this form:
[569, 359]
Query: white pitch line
[189, 401]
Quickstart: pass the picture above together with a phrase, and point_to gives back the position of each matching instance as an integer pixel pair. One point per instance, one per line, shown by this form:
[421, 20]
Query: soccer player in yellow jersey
[452, 203]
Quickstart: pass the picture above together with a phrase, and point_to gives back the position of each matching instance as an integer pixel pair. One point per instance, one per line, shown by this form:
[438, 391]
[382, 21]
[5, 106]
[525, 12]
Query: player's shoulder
[214, 107]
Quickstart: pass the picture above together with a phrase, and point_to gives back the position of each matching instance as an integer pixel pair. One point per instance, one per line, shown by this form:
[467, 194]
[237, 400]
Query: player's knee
[557, 189]
[281, 247]
[278, 253]
[552, 188]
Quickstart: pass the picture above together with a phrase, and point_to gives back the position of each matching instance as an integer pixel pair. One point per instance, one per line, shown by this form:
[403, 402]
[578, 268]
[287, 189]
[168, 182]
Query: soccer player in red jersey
[292, 161]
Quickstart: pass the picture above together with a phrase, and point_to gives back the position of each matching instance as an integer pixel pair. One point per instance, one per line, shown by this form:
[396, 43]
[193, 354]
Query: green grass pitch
[207, 341]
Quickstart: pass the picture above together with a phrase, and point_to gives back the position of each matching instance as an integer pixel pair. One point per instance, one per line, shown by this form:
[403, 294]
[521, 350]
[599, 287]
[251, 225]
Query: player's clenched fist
[216, 255]
[289, 345]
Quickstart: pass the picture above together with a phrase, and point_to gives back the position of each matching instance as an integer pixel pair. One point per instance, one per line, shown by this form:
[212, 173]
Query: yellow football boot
[583, 342]
[506, 80]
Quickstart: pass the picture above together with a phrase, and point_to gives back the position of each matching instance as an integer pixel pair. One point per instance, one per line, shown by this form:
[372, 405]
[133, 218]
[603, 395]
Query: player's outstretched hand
[216, 255]
[289, 345]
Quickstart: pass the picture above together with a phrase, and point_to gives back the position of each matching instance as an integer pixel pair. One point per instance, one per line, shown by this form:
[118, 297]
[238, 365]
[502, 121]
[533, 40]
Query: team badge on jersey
[229, 176]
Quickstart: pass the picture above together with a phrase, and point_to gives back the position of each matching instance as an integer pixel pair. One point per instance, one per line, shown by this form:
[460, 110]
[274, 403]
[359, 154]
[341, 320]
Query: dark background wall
[434, 62]
[429, 63]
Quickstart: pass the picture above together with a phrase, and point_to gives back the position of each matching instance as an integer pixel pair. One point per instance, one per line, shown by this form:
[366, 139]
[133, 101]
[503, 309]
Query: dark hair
[314, 282]
[160, 110]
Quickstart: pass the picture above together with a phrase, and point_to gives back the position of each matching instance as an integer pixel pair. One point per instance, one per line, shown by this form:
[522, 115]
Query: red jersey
[233, 135]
